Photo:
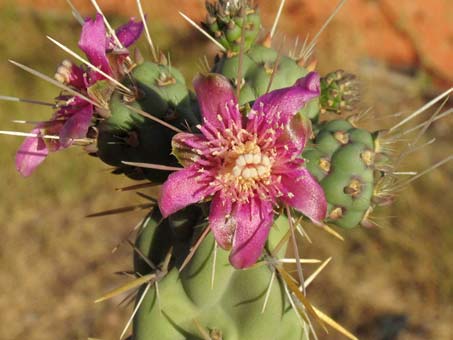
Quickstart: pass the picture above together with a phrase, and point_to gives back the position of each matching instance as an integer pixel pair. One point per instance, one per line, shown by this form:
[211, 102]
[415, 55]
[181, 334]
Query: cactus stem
[29, 101]
[268, 292]
[315, 274]
[157, 120]
[75, 55]
[281, 243]
[145, 25]
[54, 82]
[421, 110]
[152, 166]
[202, 31]
[277, 18]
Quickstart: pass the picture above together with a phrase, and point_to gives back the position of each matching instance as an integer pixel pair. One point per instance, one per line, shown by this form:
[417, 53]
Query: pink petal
[296, 134]
[305, 194]
[31, 154]
[253, 222]
[76, 126]
[219, 221]
[129, 33]
[93, 42]
[216, 98]
[76, 77]
[284, 103]
[187, 147]
[181, 189]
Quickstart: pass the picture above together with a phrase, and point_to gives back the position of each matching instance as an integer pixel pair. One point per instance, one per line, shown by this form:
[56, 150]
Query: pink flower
[246, 165]
[74, 116]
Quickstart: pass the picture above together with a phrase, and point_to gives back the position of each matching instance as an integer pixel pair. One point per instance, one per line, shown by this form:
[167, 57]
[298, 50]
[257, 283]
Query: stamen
[54, 82]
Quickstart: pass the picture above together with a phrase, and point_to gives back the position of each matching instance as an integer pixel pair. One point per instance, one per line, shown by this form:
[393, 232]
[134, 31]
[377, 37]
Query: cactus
[342, 159]
[186, 307]
[263, 71]
[240, 171]
[228, 21]
[339, 92]
[129, 136]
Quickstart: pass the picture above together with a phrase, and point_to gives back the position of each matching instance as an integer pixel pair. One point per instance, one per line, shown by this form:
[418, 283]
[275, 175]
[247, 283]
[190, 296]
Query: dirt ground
[391, 282]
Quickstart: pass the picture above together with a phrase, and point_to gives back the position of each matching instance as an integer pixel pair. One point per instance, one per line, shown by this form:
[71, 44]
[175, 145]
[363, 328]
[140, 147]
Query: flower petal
[220, 221]
[31, 154]
[94, 43]
[75, 76]
[304, 193]
[128, 33]
[181, 189]
[187, 147]
[296, 134]
[284, 103]
[76, 126]
[253, 222]
[217, 100]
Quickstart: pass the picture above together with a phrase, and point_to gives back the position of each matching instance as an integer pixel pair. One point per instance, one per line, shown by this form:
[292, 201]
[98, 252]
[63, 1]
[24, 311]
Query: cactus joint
[353, 188]
[342, 137]
[325, 164]
[337, 213]
[367, 157]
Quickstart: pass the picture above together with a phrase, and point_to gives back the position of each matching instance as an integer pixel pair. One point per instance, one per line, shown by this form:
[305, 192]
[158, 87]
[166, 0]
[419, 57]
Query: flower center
[245, 171]
[252, 166]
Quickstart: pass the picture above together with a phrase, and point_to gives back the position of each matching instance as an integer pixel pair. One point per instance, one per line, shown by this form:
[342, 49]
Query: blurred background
[391, 282]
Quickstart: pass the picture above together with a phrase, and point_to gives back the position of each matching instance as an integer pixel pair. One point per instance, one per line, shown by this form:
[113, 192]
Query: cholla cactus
[249, 157]
[245, 164]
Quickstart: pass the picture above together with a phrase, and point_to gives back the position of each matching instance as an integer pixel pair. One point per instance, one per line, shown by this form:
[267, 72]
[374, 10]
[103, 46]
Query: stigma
[252, 166]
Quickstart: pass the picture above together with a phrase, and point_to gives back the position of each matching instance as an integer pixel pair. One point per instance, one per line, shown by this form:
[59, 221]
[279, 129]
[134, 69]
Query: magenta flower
[74, 116]
[246, 165]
